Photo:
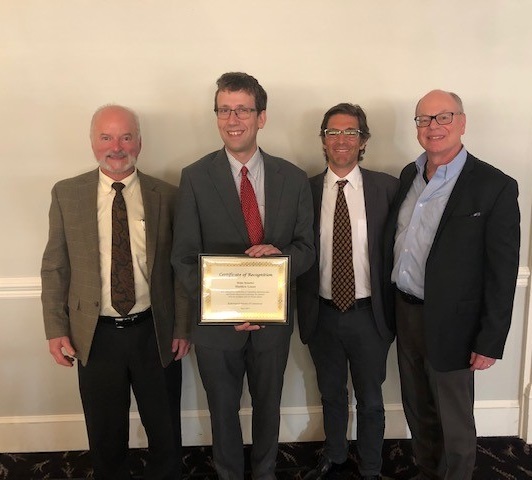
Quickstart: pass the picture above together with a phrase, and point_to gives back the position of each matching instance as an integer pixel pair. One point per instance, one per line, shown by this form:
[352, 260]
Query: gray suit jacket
[209, 220]
[71, 286]
[379, 191]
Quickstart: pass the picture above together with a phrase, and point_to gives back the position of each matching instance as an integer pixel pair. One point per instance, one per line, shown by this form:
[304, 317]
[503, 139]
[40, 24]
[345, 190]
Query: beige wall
[60, 60]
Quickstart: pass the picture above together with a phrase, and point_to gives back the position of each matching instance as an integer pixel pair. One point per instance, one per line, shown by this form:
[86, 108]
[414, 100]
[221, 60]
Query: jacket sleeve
[500, 271]
[301, 249]
[187, 243]
[55, 275]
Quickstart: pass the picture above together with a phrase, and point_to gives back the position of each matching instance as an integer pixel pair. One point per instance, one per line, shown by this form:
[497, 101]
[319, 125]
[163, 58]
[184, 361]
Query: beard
[107, 165]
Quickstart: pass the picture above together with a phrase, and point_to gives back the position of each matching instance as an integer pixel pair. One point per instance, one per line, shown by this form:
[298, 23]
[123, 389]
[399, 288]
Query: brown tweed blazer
[71, 287]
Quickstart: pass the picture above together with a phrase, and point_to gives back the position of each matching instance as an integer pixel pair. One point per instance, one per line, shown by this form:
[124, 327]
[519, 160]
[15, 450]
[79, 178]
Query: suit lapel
[273, 189]
[406, 180]
[370, 196]
[224, 184]
[88, 213]
[151, 200]
[461, 185]
[406, 183]
[316, 187]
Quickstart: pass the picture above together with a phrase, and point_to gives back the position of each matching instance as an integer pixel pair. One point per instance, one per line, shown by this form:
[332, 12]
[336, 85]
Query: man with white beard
[110, 299]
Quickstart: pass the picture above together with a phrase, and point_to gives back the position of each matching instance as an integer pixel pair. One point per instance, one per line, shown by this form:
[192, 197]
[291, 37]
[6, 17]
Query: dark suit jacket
[471, 270]
[379, 191]
[209, 220]
[71, 285]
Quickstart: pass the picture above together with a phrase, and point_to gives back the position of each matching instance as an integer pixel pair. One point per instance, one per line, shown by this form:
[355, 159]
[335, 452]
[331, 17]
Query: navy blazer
[209, 219]
[471, 270]
[379, 192]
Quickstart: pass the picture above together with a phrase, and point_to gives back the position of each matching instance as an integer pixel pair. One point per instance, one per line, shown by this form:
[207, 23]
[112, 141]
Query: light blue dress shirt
[418, 220]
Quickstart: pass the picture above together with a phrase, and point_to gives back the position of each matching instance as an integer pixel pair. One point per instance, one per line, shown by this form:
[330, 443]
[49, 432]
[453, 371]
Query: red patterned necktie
[343, 275]
[250, 209]
[122, 279]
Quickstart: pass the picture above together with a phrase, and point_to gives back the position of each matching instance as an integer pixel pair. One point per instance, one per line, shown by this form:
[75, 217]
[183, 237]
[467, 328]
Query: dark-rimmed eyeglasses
[242, 113]
[348, 132]
[441, 119]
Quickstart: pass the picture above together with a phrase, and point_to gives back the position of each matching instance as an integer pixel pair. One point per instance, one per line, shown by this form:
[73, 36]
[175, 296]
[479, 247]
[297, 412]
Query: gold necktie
[343, 275]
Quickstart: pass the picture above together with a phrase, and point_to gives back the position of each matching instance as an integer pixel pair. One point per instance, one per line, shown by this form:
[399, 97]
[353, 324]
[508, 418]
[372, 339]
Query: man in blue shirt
[453, 241]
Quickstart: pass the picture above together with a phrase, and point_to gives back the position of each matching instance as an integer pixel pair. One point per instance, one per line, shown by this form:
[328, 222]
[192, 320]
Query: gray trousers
[222, 373]
[438, 405]
[343, 340]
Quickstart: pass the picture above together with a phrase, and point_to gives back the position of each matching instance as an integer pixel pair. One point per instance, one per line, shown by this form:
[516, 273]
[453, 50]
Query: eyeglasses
[348, 132]
[441, 119]
[242, 113]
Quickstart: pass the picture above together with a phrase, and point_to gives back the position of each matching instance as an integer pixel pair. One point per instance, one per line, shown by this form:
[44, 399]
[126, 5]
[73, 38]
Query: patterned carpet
[506, 458]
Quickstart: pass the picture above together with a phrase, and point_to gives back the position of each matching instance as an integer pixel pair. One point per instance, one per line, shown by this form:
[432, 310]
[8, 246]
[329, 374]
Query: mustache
[113, 154]
[106, 164]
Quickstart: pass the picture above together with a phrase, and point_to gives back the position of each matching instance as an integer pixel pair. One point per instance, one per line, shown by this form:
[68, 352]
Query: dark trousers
[121, 360]
[438, 405]
[222, 373]
[351, 338]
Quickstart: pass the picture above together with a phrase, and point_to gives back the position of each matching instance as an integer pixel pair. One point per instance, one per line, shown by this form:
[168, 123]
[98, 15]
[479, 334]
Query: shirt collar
[354, 178]
[253, 164]
[130, 182]
[447, 171]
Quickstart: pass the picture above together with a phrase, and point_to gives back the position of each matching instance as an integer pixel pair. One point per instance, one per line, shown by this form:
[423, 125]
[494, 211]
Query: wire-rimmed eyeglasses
[348, 132]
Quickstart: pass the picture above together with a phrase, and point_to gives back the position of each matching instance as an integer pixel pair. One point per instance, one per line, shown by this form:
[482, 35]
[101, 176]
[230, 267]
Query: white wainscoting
[67, 432]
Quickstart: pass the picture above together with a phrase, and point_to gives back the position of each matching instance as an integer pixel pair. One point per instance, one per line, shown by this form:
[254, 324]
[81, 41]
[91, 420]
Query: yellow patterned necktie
[343, 275]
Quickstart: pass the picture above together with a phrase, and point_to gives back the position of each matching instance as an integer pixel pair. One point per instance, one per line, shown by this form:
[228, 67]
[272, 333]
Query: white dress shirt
[354, 195]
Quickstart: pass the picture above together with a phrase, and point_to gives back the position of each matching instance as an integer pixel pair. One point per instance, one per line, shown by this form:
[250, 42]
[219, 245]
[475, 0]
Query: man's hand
[261, 250]
[257, 251]
[180, 347]
[56, 346]
[480, 362]
[247, 327]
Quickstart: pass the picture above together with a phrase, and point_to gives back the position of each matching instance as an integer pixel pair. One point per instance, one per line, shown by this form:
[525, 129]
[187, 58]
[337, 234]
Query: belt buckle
[119, 322]
[123, 322]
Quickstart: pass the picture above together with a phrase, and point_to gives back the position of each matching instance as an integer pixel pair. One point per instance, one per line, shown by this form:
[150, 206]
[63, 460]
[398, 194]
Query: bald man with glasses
[453, 242]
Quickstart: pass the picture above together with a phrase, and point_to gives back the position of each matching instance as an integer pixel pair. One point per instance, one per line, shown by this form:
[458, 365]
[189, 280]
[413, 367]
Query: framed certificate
[236, 289]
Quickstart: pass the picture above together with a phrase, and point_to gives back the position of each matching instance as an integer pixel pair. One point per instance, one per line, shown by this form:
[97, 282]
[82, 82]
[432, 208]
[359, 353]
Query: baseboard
[298, 424]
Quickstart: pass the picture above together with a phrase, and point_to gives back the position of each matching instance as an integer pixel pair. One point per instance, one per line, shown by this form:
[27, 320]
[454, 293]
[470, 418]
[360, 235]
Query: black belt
[411, 299]
[358, 305]
[127, 320]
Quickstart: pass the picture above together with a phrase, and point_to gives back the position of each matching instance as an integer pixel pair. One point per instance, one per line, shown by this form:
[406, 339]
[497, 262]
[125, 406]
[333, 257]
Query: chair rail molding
[30, 287]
